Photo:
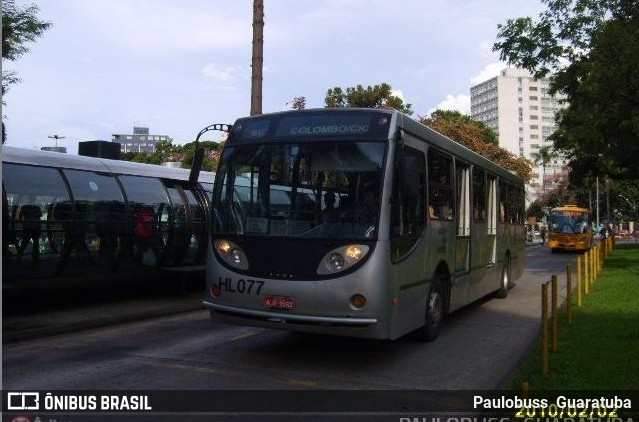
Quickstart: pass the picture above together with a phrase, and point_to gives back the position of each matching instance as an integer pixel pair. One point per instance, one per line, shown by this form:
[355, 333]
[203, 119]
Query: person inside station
[30, 216]
[145, 249]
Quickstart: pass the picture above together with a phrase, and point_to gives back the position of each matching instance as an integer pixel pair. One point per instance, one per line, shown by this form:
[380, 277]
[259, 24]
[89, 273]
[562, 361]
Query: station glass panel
[36, 212]
[99, 235]
[148, 207]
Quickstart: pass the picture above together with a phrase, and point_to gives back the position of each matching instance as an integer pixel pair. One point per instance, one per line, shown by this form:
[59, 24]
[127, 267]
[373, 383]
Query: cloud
[490, 71]
[399, 94]
[160, 26]
[459, 103]
[224, 75]
[486, 49]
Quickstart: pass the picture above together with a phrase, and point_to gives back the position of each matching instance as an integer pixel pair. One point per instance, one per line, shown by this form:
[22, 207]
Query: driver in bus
[330, 213]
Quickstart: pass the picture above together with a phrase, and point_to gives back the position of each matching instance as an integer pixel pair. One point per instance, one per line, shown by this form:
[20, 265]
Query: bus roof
[79, 162]
[277, 126]
[569, 208]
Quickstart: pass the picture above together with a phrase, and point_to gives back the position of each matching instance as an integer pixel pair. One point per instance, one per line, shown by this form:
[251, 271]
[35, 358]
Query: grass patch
[600, 349]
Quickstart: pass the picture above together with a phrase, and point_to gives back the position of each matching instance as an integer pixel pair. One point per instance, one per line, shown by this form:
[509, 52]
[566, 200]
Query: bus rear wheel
[502, 292]
[434, 312]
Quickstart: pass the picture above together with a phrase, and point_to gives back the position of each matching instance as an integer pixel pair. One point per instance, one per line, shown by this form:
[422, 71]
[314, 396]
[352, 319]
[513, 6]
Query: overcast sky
[177, 66]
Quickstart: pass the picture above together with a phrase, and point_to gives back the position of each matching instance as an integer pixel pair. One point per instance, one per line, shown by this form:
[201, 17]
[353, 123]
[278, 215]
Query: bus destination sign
[365, 125]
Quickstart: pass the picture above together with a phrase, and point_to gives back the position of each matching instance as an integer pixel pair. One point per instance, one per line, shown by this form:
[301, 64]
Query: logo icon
[23, 401]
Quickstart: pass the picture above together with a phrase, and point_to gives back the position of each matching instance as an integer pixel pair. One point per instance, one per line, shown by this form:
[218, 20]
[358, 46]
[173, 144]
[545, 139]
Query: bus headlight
[231, 254]
[342, 258]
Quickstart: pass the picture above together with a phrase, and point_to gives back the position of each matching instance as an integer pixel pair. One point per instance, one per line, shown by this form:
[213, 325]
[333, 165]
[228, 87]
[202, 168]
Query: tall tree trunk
[257, 61]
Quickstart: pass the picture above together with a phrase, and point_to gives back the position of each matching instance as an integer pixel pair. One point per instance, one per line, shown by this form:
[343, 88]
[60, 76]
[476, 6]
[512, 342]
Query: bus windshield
[569, 222]
[300, 189]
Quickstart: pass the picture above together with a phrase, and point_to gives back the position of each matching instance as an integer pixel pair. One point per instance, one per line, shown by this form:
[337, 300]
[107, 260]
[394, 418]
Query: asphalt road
[477, 349]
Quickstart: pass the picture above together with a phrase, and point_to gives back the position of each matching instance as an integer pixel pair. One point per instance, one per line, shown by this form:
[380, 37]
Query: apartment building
[521, 110]
[138, 141]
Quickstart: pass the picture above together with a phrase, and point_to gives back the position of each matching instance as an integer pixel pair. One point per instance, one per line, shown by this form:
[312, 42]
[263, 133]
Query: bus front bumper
[282, 317]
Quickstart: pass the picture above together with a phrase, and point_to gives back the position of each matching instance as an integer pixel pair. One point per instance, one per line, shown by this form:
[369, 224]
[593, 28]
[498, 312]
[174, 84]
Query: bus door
[480, 247]
[462, 261]
[459, 292]
[184, 231]
[409, 256]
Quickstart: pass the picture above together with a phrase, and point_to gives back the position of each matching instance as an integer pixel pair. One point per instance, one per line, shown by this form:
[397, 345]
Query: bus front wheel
[434, 312]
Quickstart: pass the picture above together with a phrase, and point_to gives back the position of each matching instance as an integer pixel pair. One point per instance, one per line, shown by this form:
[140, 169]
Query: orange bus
[569, 229]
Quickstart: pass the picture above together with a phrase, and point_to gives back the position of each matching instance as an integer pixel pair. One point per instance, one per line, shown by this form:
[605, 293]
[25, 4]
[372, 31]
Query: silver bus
[357, 222]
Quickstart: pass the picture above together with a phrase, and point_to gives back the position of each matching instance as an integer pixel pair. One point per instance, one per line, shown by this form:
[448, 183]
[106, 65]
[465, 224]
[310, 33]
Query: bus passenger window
[479, 194]
[440, 197]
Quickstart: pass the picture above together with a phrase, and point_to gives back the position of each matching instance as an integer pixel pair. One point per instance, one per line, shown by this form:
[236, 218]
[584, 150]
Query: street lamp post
[56, 137]
[633, 206]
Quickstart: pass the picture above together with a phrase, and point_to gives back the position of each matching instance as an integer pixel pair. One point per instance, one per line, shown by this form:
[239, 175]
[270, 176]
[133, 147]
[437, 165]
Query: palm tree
[544, 156]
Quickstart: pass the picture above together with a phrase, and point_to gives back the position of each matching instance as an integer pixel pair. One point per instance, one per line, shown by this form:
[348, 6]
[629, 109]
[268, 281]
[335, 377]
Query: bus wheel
[434, 312]
[505, 279]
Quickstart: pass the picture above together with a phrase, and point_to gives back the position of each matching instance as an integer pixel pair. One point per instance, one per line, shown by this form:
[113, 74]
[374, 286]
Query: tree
[299, 103]
[378, 96]
[544, 156]
[462, 126]
[477, 137]
[167, 151]
[592, 47]
[536, 210]
[19, 27]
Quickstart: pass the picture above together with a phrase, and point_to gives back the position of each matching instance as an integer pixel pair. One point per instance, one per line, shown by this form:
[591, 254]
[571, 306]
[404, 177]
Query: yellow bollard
[569, 292]
[586, 271]
[579, 281]
[593, 274]
[544, 329]
[555, 312]
[600, 259]
[525, 388]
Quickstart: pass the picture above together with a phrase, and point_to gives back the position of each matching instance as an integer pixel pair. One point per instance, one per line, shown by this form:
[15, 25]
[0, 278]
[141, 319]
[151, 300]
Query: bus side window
[407, 213]
[440, 187]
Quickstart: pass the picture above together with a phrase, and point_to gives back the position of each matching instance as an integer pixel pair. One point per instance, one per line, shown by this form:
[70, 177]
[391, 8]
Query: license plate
[279, 302]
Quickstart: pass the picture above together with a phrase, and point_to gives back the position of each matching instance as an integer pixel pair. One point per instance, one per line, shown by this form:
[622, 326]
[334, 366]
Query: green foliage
[603, 118]
[477, 137]
[598, 350]
[592, 47]
[378, 96]
[625, 198]
[536, 210]
[299, 103]
[455, 118]
[167, 151]
[19, 27]
[544, 156]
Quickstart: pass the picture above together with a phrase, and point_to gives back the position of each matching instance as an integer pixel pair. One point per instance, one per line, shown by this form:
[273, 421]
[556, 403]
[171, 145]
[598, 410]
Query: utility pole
[257, 61]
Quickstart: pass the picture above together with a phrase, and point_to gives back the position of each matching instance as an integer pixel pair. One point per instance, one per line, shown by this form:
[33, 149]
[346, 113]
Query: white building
[520, 109]
[138, 141]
